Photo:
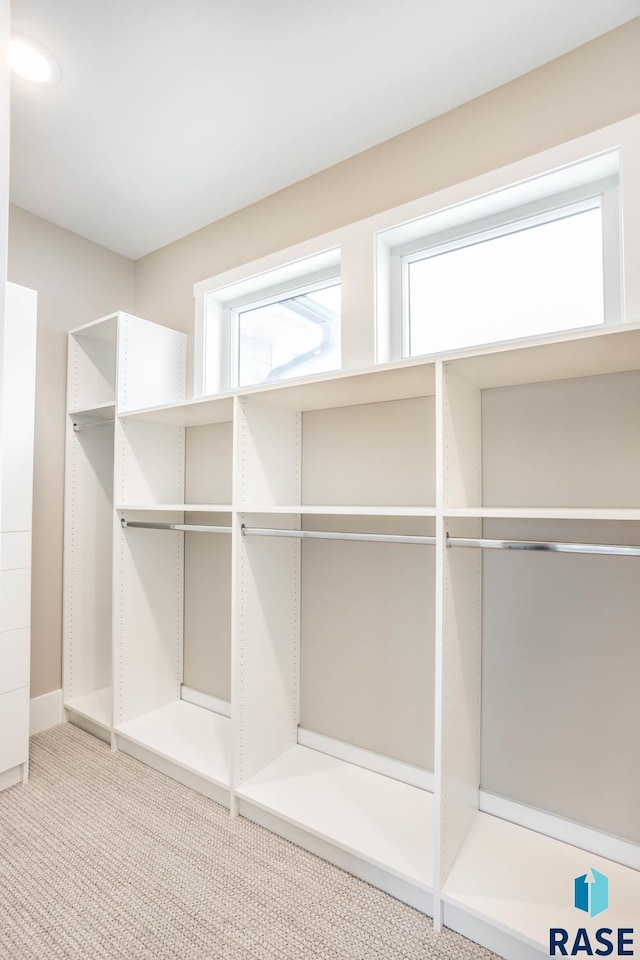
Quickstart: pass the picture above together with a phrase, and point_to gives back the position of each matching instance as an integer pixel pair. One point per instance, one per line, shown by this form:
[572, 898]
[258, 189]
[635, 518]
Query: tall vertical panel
[458, 622]
[144, 384]
[462, 450]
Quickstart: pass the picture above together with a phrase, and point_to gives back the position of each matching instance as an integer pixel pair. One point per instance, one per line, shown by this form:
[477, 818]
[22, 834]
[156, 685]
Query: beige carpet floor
[102, 858]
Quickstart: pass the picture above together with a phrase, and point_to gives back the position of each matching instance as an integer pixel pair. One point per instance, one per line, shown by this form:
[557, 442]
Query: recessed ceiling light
[32, 61]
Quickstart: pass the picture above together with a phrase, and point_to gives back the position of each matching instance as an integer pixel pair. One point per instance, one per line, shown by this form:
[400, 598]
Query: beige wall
[589, 88]
[77, 281]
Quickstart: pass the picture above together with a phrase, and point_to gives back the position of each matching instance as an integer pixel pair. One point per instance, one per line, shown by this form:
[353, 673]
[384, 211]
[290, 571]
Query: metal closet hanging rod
[183, 527]
[546, 546]
[333, 535]
[81, 427]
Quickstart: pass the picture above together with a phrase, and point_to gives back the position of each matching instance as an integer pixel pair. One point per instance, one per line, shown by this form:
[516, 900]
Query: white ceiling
[173, 113]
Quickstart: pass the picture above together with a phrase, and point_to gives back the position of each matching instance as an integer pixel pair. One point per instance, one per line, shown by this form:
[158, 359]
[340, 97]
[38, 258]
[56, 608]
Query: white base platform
[93, 712]
[369, 824]
[9, 778]
[509, 885]
[185, 742]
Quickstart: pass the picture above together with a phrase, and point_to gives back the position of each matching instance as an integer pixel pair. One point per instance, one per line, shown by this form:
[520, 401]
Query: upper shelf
[192, 413]
[568, 355]
[577, 353]
[544, 513]
[105, 330]
[402, 381]
[337, 511]
[100, 411]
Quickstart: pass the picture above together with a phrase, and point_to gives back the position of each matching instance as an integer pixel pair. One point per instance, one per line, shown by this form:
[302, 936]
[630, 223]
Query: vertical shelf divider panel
[462, 439]
[459, 624]
[152, 364]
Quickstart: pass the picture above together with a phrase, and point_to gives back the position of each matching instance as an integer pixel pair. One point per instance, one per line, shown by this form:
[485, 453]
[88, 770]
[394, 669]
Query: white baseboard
[576, 834]
[396, 769]
[205, 700]
[45, 711]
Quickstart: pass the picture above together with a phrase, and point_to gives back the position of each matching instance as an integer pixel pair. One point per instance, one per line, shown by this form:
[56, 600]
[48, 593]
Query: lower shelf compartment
[385, 823]
[186, 738]
[521, 884]
[96, 707]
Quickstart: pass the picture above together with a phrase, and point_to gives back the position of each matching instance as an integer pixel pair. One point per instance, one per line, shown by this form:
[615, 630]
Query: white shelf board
[342, 510]
[398, 381]
[97, 707]
[192, 413]
[104, 329]
[545, 513]
[382, 821]
[191, 737]
[590, 351]
[523, 882]
[99, 411]
[346, 388]
[176, 507]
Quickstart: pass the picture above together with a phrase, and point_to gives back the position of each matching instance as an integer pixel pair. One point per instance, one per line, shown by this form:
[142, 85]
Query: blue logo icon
[591, 892]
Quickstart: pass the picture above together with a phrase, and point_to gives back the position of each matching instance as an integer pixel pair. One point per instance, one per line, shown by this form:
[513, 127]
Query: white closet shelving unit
[108, 364]
[350, 453]
[496, 759]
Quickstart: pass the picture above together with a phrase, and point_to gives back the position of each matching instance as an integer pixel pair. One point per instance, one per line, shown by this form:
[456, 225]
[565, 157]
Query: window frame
[603, 194]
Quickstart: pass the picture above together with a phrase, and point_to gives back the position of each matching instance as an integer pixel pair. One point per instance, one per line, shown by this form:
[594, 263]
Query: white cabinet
[118, 360]
[16, 464]
[320, 618]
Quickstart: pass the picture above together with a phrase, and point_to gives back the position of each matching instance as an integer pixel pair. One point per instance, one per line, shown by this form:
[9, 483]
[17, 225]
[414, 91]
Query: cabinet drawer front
[15, 599]
[15, 551]
[14, 659]
[14, 728]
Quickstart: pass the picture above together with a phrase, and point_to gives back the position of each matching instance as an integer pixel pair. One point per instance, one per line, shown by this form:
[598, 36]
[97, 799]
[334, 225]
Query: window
[530, 258]
[533, 277]
[292, 337]
[269, 322]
